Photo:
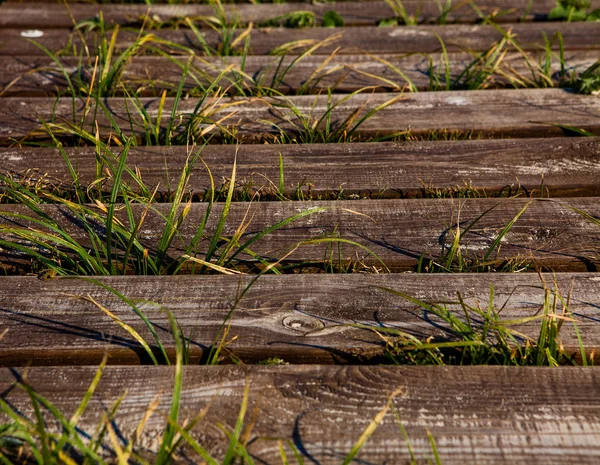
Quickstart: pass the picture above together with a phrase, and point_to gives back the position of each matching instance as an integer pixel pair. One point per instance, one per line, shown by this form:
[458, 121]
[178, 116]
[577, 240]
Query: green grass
[113, 208]
[466, 190]
[102, 68]
[401, 15]
[115, 242]
[588, 82]
[311, 127]
[211, 119]
[33, 440]
[454, 256]
[480, 336]
[573, 10]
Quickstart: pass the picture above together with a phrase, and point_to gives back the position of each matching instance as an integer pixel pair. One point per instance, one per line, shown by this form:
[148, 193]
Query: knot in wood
[302, 323]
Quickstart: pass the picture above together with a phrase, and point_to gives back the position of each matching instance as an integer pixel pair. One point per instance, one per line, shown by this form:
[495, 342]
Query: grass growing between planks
[480, 336]
[109, 63]
[115, 243]
[103, 59]
[213, 118]
[498, 67]
[469, 334]
[32, 440]
[112, 211]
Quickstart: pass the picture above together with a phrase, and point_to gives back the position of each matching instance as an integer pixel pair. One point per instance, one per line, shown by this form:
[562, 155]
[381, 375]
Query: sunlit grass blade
[270, 229]
[123, 325]
[370, 429]
[196, 447]
[112, 205]
[74, 437]
[230, 454]
[136, 310]
[496, 242]
[165, 452]
[84, 402]
[223, 218]
[212, 266]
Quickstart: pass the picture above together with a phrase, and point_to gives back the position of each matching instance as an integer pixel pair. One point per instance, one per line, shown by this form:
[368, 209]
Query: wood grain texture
[549, 234]
[57, 16]
[405, 39]
[353, 13]
[564, 167]
[304, 318]
[483, 415]
[150, 76]
[497, 113]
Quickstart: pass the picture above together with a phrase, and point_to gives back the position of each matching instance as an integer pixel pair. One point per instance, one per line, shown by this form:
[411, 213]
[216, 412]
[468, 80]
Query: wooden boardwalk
[361, 162]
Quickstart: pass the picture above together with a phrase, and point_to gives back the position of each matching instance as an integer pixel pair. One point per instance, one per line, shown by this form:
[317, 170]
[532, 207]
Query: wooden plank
[412, 39]
[483, 415]
[497, 113]
[564, 167]
[353, 13]
[549, 234]
[304, 318]
[150, 76]
[57, 16]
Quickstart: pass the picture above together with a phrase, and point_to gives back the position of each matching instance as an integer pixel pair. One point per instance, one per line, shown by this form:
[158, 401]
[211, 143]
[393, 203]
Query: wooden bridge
[304, 216]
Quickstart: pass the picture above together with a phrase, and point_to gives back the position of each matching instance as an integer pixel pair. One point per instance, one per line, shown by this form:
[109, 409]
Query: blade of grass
[370, 429]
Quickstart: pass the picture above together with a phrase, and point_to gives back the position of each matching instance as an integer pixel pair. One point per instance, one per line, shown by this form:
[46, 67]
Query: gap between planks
[557, 167]
[492, 113]
[483, 415]
[405, 39]
[353, 13]
[150, 76]
[549, 234]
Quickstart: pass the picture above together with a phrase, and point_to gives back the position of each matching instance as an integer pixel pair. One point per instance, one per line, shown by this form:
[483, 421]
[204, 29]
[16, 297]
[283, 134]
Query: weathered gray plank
[498, 113]
[57, 16]
[413, 39]
[150, 76]
[549, 234]
[353, 13]
[484, 415]
[301, 318]
[560, 167]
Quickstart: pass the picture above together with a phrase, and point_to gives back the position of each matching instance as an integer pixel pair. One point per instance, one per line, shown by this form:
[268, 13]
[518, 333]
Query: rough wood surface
[353, 13]
[303, 318]
[150, 76]
[549, 234]
[483, 415]
[555, 167]
[497, 113]
[405, 39]
[57, 16]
